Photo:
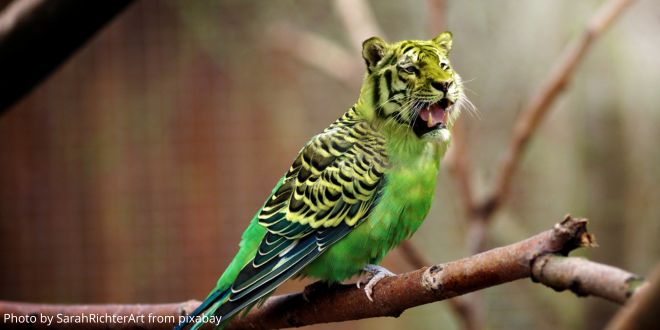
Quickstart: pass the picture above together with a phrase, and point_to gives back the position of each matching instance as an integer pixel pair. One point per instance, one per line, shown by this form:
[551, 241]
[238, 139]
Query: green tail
[207, 307]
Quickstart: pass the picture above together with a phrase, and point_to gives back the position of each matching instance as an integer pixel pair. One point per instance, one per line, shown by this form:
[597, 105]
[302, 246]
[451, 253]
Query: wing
[331, 187]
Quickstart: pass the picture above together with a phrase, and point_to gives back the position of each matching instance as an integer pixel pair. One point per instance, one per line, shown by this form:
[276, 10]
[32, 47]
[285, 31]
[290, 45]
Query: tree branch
[585, 278]
[479, 214]
[437, 19]
[534, 112]
[535, 257]
[464, 308]
[456, 161]
[36, 36]
[642, 310]
[395, 295]
[318, 52]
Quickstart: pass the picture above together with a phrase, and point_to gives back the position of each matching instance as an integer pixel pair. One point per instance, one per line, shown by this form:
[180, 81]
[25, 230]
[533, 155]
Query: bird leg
[376, 273]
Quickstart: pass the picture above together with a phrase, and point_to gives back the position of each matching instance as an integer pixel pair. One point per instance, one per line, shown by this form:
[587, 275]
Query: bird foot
[376, 273]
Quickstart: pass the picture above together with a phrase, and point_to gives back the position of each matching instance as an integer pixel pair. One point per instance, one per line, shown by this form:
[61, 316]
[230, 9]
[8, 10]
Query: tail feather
[209, 305]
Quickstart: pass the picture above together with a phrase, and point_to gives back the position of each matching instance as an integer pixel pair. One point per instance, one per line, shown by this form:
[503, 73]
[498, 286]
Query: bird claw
[377, 273]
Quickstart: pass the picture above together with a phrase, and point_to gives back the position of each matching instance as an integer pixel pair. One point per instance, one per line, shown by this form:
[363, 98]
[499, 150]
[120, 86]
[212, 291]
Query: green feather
[359, 188]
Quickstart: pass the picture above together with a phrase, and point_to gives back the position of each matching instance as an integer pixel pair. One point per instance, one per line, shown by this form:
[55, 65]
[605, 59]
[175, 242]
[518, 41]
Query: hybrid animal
[357, 189]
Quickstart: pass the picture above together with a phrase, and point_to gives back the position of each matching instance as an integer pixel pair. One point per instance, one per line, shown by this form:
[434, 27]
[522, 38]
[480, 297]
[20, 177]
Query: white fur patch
[442, 134]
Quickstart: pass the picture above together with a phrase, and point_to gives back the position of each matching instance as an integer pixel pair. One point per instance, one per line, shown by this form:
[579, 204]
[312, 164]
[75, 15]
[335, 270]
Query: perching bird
[357, 189]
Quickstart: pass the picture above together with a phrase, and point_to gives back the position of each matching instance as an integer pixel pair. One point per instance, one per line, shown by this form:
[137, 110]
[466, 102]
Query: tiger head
[411, 84]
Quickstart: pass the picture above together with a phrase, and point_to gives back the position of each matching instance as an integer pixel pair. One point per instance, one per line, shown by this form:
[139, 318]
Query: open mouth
[432, 117]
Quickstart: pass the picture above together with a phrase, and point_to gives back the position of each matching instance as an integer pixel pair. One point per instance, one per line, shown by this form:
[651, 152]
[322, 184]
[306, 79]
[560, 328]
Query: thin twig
[412, 255]
[534, 112]
[456, 162]
[437, 22]
[479, 214]
[318, 52]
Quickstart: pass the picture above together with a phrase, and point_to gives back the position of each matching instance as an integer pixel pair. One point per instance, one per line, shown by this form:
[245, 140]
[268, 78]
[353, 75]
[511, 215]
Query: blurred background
[129, 175]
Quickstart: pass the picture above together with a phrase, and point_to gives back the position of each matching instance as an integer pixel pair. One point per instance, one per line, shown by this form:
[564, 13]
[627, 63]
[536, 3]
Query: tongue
[434, 115]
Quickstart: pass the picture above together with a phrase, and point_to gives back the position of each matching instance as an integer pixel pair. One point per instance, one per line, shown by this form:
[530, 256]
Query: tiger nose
[440, 85]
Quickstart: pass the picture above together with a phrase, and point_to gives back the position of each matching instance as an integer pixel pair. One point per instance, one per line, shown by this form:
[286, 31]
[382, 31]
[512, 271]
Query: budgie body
[359, 188]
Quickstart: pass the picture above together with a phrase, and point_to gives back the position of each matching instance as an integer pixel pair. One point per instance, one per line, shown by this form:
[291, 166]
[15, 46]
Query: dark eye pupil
[409, 69]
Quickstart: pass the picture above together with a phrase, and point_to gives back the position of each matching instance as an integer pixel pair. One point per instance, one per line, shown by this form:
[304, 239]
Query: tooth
[429, 121]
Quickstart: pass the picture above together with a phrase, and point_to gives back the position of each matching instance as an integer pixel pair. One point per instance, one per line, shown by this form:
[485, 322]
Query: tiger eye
[409, 69]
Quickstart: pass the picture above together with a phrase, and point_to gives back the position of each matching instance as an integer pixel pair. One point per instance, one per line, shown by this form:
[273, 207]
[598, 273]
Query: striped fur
[404, 75]
[338, 180]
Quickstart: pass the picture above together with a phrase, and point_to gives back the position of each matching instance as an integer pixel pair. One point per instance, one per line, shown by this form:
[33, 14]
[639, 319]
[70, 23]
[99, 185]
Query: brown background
[129, 175]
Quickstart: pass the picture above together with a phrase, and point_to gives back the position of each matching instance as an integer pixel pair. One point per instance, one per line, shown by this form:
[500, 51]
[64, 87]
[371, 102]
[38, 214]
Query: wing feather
[330, 188]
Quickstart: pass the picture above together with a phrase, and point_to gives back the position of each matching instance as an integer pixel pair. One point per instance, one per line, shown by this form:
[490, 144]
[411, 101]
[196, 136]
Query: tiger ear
[444, 40]
[373, 50]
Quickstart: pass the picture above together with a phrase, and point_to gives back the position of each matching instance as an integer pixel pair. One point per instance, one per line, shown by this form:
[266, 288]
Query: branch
[464, 308]
[315, 50]
[393, 295]
[36, 36]
[543, 98]
[318, 52]
[642, 310]
[396, 294]
[412, 255]
[479, 215]
[437, 22]
[456, 161]
[585, 278]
